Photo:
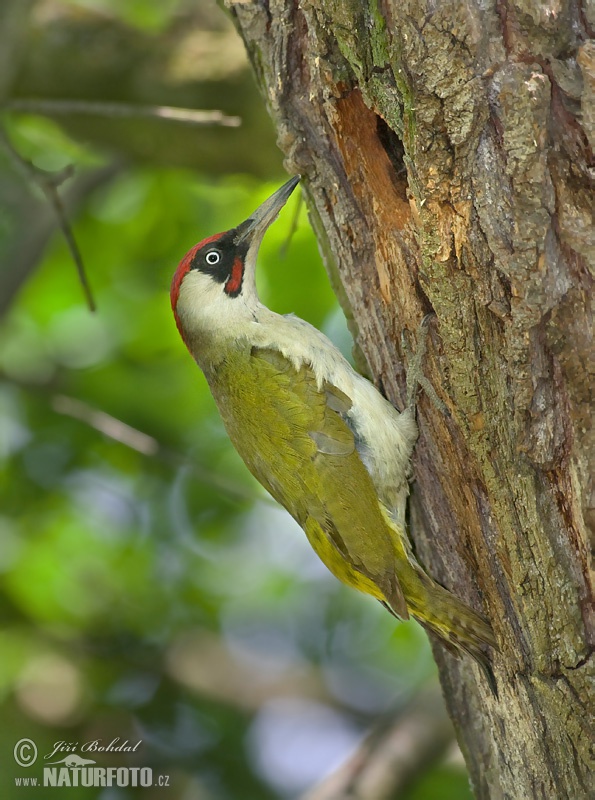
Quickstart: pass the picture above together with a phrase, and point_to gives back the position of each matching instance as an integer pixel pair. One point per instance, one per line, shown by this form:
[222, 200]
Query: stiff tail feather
[458, 627]
[439, 611]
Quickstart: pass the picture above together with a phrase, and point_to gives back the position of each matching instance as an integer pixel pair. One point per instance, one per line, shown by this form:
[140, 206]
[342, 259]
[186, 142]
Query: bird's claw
[415, 373]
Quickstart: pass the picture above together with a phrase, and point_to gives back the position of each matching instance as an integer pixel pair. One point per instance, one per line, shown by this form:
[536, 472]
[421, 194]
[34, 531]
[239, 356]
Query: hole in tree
[395, 151]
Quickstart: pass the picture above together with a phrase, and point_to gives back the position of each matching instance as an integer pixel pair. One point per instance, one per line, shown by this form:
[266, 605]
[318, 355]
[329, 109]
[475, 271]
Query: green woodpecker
[318, 436]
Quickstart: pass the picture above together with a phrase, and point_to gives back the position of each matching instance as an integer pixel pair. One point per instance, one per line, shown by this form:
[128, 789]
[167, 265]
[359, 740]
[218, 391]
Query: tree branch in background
[205, 664]
[38, 222]
[49, 183]
[393, 756]
[186, 116]
[139, 67]
[147, 445]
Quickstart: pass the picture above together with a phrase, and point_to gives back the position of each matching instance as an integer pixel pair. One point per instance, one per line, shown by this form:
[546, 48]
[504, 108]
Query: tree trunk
[446, 165]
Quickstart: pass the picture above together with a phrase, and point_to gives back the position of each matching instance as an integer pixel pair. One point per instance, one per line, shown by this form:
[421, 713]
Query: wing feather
[295, 439]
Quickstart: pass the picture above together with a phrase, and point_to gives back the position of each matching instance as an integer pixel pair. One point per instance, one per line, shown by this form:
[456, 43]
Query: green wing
[296, 441]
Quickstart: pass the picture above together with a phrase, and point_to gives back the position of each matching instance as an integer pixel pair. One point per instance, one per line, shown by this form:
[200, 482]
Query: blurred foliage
[149, 588]
[176, 53]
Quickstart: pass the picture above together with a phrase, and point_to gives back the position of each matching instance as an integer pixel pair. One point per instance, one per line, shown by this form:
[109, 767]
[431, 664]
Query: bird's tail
[459, 627]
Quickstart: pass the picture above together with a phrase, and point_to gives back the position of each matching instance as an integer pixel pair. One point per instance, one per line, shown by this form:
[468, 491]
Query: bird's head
[213, 289]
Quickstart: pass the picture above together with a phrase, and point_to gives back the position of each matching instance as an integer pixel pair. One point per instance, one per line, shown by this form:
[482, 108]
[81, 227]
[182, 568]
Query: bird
[318, 436]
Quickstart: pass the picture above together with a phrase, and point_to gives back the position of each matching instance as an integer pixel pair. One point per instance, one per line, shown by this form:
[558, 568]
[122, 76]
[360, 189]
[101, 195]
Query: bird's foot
[415, 372]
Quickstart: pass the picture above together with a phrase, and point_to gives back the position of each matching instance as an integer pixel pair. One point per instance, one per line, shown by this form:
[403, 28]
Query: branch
[198, 661]
[392, 757]
[104, 423]
[147, 445]
[24, 250]
[204, 663]
[185, 116]
[48, 183]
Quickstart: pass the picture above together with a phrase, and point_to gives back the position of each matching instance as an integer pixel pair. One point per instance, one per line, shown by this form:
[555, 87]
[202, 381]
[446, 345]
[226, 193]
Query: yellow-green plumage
[295, 440]
[316, 434]
[278, 421]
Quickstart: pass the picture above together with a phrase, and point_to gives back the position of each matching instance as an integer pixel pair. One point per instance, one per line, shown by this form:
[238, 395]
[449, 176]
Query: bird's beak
[254, 227]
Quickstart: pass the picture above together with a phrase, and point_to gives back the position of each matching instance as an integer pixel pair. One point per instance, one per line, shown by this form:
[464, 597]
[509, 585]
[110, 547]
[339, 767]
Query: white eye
[213, 257]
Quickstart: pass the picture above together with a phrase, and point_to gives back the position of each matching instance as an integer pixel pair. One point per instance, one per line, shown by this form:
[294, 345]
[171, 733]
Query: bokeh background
[149, 589]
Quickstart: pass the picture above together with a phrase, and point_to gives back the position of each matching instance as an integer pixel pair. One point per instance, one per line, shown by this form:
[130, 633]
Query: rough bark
[446, 165]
